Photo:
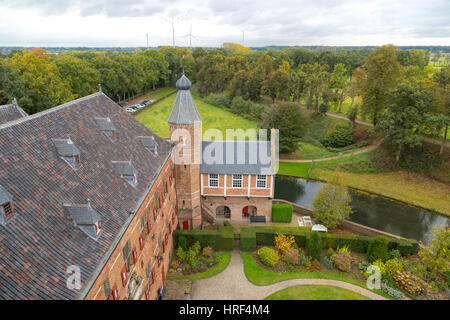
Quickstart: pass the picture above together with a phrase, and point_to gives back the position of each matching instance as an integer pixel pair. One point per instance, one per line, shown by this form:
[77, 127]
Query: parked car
[129, 110]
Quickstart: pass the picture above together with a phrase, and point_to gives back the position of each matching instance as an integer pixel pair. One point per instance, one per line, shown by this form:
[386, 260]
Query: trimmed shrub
[314, 246]
[268, 256]
[181, 254]
[207, 251]
[282, 212]
[342, 261]
[378, 249]
[220, 240]
[393, 266]
[226, 241]
[248, 240]
[182, 243]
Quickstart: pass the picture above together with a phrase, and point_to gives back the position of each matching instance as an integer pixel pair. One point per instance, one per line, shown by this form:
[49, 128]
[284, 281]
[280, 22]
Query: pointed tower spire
[184, 110]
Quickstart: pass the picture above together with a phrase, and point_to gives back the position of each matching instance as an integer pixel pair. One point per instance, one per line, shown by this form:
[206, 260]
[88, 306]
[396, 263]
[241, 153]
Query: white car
[129, 110]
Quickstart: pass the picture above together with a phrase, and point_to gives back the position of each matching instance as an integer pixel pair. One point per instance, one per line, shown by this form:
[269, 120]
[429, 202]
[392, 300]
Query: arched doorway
[249, 211]
[223, 212]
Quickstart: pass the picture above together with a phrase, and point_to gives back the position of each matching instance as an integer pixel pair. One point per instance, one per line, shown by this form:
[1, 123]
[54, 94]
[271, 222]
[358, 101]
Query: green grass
[261, 277]
[315, 292]
[223, 264]
[161, 92]
[155, 117]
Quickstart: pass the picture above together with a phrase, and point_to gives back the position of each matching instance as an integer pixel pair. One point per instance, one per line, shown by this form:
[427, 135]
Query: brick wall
[244, 191]
[146, 249]
[237, 204]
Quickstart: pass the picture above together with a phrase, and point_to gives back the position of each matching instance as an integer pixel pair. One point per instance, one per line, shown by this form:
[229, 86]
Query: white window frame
[259, 178]
[213, 179]
[237, 180]
[97, 227]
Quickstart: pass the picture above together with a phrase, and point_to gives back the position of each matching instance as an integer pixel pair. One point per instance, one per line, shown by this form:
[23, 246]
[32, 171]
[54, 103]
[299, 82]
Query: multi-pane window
[213, 180]
[7, 209]
[261, 181]
[237, 180]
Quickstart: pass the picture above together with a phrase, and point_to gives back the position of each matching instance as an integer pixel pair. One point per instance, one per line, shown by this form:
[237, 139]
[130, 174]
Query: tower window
[237, 180]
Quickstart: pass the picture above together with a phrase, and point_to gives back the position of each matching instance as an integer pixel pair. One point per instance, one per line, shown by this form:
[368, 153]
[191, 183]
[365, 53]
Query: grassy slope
[315, 292]
[261, 277]
[405, 186]
[208, 273]
[213, 117]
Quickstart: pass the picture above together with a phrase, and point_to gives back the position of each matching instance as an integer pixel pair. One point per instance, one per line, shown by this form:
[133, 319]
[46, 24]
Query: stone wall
[237, 204]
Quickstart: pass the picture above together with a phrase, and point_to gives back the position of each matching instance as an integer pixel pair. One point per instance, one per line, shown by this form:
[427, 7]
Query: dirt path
[363, 150]
[232, 284]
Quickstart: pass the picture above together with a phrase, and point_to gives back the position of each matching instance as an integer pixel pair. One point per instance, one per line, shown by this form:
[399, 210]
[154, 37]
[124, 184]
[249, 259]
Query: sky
[265, 22]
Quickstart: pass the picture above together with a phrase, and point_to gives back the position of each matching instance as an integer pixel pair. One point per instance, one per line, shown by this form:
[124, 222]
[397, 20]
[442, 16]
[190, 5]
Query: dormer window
[150, 144]
[68, 152]
[107, 127]
[127, 171]
[6, 206]
[84, 217]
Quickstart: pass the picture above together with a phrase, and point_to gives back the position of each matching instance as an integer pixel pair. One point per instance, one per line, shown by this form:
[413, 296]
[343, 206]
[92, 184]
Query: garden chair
[300, 222]
[307, 221]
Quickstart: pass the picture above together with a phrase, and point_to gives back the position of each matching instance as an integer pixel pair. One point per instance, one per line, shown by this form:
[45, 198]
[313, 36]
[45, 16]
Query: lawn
[155, 117]
[261, 277]
[401, 185]
[315, 292]
[223, 264]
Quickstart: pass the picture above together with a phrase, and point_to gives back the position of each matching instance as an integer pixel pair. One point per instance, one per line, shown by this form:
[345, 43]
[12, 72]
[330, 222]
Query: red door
[185, 225]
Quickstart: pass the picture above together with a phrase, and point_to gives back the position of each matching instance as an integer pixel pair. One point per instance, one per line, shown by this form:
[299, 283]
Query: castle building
[218, 179]
[87, 204]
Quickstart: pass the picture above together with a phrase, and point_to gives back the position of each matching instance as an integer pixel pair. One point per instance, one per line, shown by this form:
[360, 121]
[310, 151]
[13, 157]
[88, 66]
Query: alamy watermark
[73, 281]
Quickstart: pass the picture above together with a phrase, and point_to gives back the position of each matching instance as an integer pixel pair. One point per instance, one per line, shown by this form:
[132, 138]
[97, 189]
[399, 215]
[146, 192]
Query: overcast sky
[266, 22]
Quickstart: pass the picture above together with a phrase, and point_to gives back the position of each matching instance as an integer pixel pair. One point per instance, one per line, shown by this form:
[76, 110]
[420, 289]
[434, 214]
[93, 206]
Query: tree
[317, 82]
[382, 73]
[338, 81]
[352, 114]
[235, 48]
[441, 102]
[436, 256]
[331, 205]
[288, 119]
[407, 114]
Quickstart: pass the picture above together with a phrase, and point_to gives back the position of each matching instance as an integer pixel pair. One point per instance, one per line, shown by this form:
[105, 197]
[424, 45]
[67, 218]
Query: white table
[319, 227]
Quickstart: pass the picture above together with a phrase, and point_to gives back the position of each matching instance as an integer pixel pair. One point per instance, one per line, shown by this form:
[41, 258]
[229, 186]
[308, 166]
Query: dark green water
[369, 210]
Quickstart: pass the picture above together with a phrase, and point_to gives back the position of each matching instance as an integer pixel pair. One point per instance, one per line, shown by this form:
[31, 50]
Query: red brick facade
[150, 246]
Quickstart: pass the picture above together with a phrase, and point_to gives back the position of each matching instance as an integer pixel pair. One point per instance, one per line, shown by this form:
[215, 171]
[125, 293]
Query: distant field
[155, 117]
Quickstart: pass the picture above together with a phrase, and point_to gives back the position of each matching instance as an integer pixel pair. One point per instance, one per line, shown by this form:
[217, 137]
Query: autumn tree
[382, 73]
[331, 205]
[338, 82]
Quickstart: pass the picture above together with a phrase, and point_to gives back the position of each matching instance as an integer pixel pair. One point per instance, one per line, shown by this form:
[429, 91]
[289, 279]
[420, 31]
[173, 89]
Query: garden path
[232, 284]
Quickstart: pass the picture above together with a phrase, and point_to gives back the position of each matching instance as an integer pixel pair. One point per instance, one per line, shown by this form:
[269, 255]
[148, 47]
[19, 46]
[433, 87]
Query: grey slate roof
[236, 157]
[105, 124]
[11, 112]
[184, 110]
[82, 214]
[66, 147]
[38, 242]
[125, 168]
[148, 142]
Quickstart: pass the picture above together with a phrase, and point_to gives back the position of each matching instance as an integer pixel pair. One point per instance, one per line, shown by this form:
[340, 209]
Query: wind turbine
[190, 35]
[172, 22]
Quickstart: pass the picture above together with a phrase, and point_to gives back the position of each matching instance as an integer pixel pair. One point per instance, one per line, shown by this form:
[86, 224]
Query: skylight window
[84, 217]
[150, 144]
[6, 205]
[68, 152]
[127, 171]
[107, 127]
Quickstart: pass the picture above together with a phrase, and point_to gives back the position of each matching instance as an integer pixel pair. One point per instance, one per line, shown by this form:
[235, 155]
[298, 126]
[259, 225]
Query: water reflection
[370, 210]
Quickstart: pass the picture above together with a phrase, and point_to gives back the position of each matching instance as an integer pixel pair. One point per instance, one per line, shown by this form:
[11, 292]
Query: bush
[394, 293]
[340, 137]
[343, 249]
[314, 246]
[330, 252]
[282, 212]
[328, 262]
[268, 256]
[291, 257]
[196, 247]
[342, 261]
[378, 249]
[181, 254]
[410, 283]
[191, 255]
[304, 259]
[315, 266]
[219, 99]
[283, 242]
[182, 243]
[207, 251]
[395, 254]
[323, 108]
[393, 266]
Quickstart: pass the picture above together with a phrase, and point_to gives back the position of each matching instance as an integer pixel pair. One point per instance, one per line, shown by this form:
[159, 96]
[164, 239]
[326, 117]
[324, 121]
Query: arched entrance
[223, 212]
[249, 211]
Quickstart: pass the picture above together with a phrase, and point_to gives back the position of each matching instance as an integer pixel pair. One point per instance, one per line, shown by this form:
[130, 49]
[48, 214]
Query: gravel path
[231, 284]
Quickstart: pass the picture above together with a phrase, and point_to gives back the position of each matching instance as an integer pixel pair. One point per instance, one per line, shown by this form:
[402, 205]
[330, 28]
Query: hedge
[282, 212]
[219, 240]
[264, 236]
